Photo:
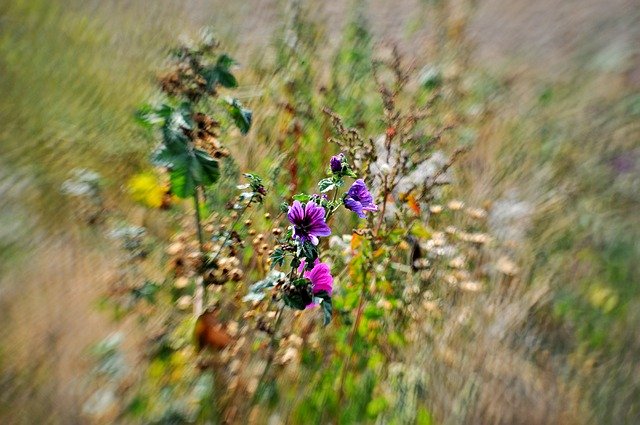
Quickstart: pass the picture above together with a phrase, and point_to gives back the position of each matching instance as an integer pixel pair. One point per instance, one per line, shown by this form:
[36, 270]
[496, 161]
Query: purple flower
[308, 221]
[358, 199]
[320, 277]
[336, 163]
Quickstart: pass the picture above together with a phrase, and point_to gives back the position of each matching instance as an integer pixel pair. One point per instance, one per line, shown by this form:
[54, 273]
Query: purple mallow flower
[320, 277]
[358, 199]
[308, 221]
[336, 163]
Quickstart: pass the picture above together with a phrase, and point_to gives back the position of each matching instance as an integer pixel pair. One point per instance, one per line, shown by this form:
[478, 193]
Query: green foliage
[241, 116]
[189, 168]
[330, 183]
[324, 299]
[219, 73]
[146, 292]
[277, 257]
[298, 296]
[309, 252]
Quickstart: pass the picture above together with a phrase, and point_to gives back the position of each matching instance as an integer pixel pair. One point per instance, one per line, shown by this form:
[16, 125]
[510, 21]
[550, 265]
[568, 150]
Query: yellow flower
[146, 189]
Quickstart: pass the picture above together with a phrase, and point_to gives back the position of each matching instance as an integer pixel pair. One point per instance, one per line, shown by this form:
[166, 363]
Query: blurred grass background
[549, 92]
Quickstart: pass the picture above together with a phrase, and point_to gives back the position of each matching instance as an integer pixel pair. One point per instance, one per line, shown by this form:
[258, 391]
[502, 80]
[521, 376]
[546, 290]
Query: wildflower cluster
[309, 282]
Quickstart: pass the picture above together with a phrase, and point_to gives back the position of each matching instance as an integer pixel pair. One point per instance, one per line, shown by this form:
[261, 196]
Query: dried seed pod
[181, 282]
[455, 205]
[214, 277]
[236, 274]
[175, 248]
[476, 213]
[184, 302]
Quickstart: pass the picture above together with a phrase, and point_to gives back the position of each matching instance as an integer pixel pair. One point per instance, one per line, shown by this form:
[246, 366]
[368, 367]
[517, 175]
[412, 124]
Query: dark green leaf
[324, 299]
[295, 262]
[310, 254]
[225, 78]
[187, 169]
[241, 116]
[208, 167]
[299, 295]
[225, 61]
[277, 258]
[220, 74]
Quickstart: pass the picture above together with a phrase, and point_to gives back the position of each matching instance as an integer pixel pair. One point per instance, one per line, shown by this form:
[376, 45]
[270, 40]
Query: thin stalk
[354, 330]
[334, 209]
[272, 355]
[385, 194]
[196, 202]
[201, 291]
[226, 239]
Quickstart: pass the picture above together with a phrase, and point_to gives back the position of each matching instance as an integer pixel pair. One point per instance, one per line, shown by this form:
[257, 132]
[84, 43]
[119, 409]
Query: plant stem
[196, 202]
[226, 239]
[270, 358]
[201, 291]
[334, 209]
[352, 335]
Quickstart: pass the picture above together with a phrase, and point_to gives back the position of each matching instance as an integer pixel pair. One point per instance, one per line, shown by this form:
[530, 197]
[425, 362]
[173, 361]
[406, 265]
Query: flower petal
[320, 277]
[296, 213]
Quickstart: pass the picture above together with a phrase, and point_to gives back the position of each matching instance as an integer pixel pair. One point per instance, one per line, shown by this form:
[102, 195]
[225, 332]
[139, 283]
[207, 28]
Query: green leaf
[324, 299]
[277, 258]
[208, 167]
[149, 116]
[241, 116]
[295, 263]
[326, 185]
[225, 61]
[302, 197]
[188, 168]
[220, 74]
[180, 117]
[299, 295]
[310, 254]
[225, 78]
